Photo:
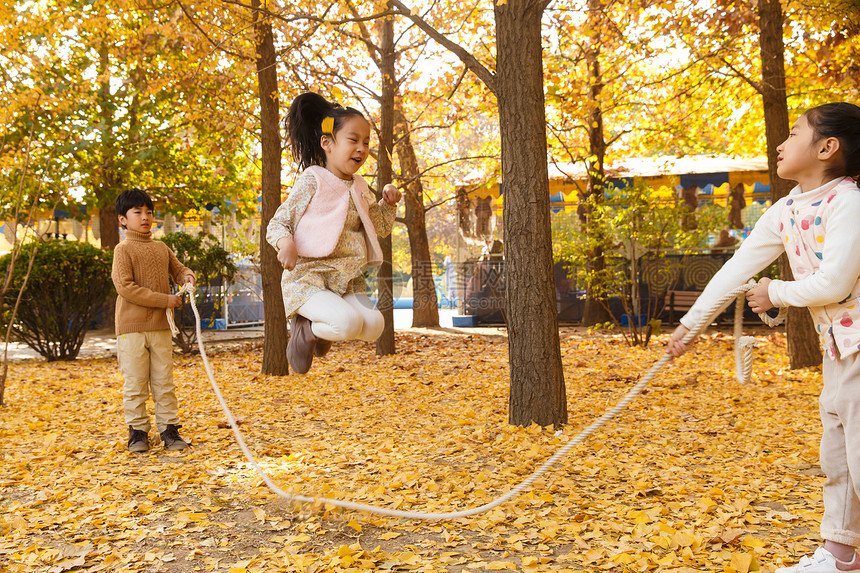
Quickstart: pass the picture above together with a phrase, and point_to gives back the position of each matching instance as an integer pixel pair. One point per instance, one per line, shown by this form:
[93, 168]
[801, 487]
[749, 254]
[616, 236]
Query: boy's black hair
[131, 198]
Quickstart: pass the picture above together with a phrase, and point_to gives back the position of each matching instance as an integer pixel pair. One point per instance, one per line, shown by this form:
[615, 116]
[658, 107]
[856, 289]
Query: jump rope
[743, 359]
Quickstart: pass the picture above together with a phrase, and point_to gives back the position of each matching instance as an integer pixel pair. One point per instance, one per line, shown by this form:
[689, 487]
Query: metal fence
[243, 299]
[477, 288]
[483, 286]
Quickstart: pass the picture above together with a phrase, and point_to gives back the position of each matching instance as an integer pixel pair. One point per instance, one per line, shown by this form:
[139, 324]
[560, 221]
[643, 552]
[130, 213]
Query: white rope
[562, 452]
[744, 344]
[170, 322]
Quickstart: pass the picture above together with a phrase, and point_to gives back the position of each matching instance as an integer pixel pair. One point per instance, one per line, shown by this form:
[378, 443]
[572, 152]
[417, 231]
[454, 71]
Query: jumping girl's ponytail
[309, 118]
[842, 121]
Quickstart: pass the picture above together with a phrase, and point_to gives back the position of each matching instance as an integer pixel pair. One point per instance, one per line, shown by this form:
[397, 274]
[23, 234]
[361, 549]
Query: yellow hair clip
[328, 125]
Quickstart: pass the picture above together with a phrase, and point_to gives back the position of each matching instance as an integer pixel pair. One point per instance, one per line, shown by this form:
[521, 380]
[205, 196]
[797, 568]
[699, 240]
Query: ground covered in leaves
[699, 474]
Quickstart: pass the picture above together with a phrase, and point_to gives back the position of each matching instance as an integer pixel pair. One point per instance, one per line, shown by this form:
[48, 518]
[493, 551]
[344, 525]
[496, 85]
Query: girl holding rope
[818, 226]
[325, 232]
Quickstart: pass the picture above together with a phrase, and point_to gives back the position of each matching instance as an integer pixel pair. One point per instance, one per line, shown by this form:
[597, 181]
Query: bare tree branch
[307, 16]
[458, 82]
[216, 45]
[365, 37]
[404, 182]
[471, 62]
[755, 85]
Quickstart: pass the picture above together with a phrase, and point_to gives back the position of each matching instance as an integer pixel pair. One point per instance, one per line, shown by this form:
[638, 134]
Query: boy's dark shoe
[171, 439]
[138, 440]
[322, 347]
[300, 348]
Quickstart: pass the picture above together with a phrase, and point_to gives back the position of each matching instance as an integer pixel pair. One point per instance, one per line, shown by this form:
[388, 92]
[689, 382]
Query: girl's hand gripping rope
[756, 294]
[676, 345]
[758, 297]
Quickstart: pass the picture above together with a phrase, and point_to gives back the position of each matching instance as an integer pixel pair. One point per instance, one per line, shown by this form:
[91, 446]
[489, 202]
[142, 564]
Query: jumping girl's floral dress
[341, 271]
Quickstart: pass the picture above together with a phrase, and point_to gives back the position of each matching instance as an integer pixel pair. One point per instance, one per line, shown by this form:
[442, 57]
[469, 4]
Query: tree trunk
[537, 379]
[108, 224]
[108, 188]
[804, 349]
[385, 343]
[425, 305]
[803, 346]
[109, 238]
[275, 328]
[594, 311]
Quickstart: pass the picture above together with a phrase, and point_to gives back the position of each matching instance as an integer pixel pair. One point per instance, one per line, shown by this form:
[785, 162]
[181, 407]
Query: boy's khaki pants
[840, 449]
[146, 364]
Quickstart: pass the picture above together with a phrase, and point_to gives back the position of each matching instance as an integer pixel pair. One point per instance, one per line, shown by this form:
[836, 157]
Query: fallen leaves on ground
[698, 474]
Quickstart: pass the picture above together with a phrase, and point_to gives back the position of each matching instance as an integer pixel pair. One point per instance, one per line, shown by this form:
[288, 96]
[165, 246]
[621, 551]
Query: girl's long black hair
[842, 121]
[305, 126]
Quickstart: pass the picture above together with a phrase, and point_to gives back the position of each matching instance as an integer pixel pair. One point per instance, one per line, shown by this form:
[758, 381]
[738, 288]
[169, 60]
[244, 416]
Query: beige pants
[146, 364]
[840, 449]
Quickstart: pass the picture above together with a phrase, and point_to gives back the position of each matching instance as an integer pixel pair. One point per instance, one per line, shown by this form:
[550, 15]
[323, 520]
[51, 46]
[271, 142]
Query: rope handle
[744, 344]
[436, 516]
[186, 288]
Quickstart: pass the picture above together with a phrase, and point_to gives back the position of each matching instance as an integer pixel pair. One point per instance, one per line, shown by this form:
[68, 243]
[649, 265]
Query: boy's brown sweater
[141, 271]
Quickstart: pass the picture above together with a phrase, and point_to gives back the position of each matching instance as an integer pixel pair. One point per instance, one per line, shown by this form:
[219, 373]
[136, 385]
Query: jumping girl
[325, 232]
[818, 226]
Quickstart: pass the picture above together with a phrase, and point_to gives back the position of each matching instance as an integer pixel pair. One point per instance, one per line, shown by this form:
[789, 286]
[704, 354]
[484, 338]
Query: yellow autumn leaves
[699, 474]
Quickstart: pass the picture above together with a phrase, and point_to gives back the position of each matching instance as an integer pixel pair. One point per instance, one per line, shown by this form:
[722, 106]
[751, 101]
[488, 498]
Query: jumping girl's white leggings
[343, 318]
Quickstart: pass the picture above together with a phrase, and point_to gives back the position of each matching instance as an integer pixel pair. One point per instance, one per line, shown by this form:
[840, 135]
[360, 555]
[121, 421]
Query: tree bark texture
[425, 304]
[108, 222]
[594, 311]
[803, 346]
[385, 302]
[108, 185]
[537, 392]
[275, 328]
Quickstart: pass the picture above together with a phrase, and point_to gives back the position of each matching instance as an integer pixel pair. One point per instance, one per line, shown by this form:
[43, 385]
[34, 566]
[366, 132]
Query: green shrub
[212, 268]
[69, 282]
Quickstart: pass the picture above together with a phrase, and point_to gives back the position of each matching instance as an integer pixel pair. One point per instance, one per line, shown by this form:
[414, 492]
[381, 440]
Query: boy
[144, 345]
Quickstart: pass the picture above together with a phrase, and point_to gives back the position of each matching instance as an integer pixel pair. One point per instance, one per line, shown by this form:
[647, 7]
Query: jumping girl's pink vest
[321, 225]
[803, 228]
